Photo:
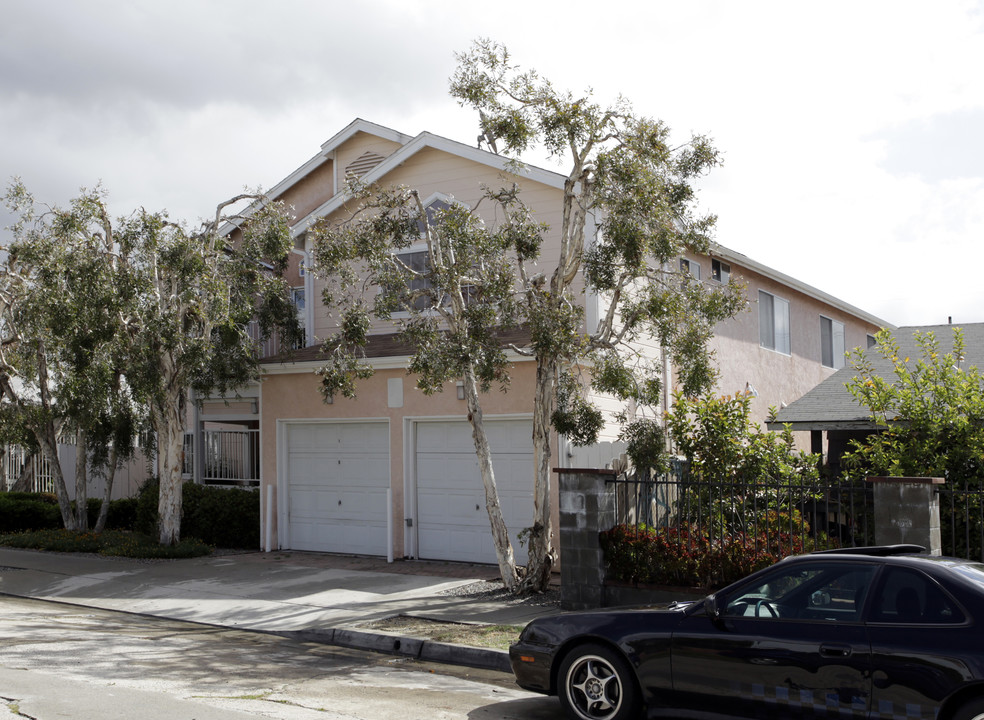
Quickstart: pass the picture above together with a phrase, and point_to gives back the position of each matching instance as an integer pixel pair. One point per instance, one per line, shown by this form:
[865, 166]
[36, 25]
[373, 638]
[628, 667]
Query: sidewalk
[311, 596]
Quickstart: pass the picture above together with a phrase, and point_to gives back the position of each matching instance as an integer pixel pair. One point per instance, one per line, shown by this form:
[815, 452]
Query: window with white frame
[720, 271]
[417, 261]
[690, 266]
[773, 322]
[832, 346]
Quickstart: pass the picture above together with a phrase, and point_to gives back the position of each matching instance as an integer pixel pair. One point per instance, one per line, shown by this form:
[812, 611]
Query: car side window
[822, 592]
[910, 597]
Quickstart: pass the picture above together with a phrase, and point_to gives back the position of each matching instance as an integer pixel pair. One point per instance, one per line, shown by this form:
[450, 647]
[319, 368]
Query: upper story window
[773, 322]
[690, 266]
[872, 341]
[832, 346]
[720, 271]
[417, 261]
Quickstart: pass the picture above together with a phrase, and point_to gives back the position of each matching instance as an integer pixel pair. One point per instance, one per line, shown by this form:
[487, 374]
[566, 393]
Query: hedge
[684, 557]
[221, 517]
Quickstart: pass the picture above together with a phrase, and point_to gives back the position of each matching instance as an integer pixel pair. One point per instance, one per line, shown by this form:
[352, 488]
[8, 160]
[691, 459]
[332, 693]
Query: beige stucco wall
[435, 172]
[295, 396]
[778, 378]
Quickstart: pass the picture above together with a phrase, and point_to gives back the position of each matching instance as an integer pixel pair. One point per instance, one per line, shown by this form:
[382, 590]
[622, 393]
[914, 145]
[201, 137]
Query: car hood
[609, 622]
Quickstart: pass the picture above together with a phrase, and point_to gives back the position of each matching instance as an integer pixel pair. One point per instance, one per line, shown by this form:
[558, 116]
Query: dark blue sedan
[862, 633]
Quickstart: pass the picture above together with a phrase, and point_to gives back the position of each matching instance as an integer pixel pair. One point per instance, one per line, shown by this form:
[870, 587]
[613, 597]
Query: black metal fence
[809, 515]
[962, 520]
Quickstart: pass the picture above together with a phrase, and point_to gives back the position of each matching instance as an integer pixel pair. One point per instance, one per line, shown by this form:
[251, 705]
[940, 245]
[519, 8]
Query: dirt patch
[498, 637]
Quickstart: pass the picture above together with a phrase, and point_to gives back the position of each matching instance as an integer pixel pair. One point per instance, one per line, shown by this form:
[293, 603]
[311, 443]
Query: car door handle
[835, 651]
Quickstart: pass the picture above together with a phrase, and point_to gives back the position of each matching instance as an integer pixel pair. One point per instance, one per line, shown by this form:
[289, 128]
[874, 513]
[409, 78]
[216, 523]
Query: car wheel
[598, 684]
[973, 710]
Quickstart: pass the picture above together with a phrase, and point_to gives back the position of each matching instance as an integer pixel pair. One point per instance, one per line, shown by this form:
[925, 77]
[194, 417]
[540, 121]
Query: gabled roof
[830, 406]
[424, 141]
[410, 146]
[328, 149]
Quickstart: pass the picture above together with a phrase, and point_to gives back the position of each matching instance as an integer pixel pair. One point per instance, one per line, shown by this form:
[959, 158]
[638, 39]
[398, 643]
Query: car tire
[973, 710]
[596, 683]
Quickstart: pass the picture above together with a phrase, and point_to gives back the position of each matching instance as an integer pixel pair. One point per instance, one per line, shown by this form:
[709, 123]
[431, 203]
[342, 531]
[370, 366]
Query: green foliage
[28, 511]
[646, 441]
[932, 413]
[221, 517]
[685, 557]
[21, 511]
[110, 542]
[106, 325]
[122, 513]
[723, 445]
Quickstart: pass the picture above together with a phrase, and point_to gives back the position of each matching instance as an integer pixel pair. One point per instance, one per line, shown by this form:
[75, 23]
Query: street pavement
[310, 596]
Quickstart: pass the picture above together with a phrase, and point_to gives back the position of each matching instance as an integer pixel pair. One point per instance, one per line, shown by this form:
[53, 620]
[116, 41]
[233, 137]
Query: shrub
[686, 558]
[222, 517]
[122, 513]
[28, 511]
[110, 542]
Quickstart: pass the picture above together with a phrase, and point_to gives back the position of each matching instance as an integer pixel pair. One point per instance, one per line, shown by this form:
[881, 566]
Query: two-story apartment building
[394, 470]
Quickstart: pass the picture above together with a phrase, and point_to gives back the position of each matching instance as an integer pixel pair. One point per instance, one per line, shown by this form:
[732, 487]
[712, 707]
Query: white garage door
[452, 522]
[337, 477]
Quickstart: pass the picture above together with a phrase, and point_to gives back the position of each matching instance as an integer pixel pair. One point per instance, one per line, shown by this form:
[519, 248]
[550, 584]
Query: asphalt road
[61, 661]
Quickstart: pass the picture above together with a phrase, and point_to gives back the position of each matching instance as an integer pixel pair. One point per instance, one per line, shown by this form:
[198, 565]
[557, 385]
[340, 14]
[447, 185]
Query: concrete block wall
[907, 511]
[587, 506]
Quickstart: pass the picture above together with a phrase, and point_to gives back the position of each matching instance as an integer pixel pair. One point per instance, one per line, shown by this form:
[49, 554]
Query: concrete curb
[405, 646]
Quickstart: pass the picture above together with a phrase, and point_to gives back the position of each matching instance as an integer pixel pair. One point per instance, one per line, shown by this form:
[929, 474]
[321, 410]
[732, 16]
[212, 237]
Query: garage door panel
[449, 487]
[337, 477]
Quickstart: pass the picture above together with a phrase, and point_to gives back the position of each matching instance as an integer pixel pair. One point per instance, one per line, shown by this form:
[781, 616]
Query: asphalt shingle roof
[830, 406]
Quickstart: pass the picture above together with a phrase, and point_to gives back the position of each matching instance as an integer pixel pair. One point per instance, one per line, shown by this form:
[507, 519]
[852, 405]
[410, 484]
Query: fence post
[907, 510]
[587, 506]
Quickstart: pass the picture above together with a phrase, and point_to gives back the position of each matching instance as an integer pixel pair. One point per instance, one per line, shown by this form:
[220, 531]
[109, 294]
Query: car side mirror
[712, 608]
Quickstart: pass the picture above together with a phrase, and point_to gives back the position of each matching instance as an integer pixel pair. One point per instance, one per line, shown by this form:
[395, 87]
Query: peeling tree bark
[500, 532]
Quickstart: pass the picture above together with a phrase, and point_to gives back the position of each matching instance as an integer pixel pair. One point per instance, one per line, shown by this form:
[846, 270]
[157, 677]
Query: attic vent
[366, 162]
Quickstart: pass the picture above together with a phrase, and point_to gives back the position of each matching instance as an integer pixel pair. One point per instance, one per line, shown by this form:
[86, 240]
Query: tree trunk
[48, 440]
[500, 533]
[110, 475]
[81, 481]
[169, 424]
[25, 477]
[541, 555]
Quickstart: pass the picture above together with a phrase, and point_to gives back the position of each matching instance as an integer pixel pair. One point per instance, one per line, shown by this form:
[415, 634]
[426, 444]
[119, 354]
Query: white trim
[397, 362]
[423, 141]
[327, 154]
[744, 262]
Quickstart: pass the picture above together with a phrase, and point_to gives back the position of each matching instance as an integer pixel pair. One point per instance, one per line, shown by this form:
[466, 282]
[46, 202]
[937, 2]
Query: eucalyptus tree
[628, 215]
[105, 323]
[199, 290]
[63, 306]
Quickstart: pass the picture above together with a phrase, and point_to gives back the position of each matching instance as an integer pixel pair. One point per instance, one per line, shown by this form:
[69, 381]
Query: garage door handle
[839, 651]
[476, 506]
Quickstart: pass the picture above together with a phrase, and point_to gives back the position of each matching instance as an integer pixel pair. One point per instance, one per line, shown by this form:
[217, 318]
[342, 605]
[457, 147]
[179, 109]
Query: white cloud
[848, 129]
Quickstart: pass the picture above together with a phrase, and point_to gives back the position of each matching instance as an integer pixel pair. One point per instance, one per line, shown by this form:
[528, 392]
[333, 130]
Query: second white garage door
[337, 477]
[452, 522]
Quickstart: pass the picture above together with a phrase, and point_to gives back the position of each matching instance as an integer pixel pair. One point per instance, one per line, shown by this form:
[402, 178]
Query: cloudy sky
[852, 131]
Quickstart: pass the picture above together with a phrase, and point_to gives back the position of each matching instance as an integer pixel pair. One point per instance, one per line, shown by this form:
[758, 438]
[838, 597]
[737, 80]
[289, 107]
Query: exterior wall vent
[366, 162]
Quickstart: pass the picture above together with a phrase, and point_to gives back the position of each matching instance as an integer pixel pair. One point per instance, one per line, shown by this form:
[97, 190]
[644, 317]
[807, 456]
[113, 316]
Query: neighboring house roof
[830, 406]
